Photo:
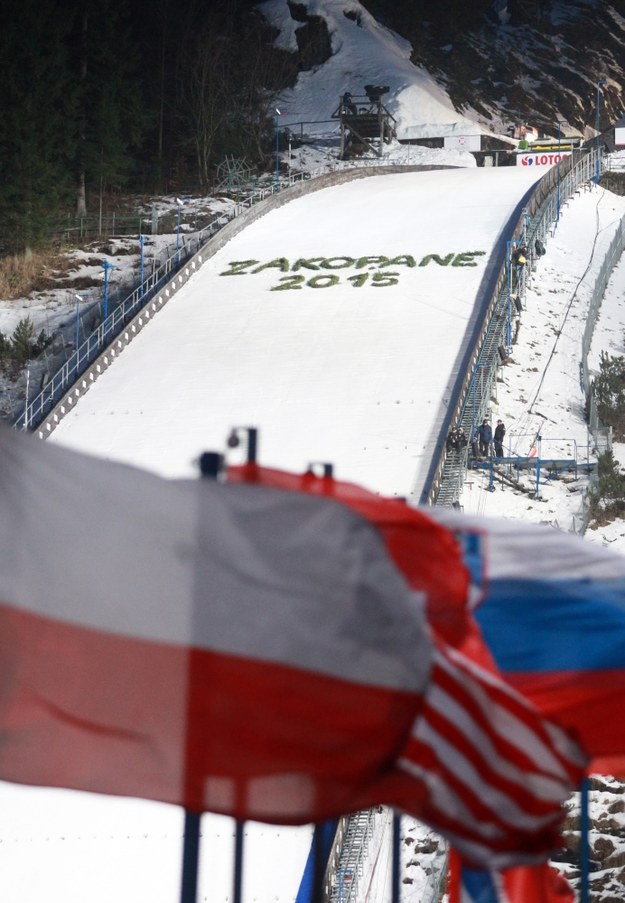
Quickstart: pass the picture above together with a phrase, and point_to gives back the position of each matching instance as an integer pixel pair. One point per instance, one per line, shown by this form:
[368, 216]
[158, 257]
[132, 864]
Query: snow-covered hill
[534, 62]
[363, 51]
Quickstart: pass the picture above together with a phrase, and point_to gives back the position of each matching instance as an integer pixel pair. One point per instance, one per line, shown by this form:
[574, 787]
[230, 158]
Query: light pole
[78, 300]
[278, 114]
[178, 209]
[180, 202]
[289, 152]
[141, 266]
[107, 267]
[597, 161]
[142, 256]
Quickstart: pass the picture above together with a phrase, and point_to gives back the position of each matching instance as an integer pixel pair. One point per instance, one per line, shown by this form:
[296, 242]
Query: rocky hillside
[536, 61]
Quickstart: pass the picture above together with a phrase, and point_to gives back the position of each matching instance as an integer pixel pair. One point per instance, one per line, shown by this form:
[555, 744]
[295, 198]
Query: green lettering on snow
[404, 260]
[337, 263]
[307, 263]
[280, 263]
[466, 259]
[238, 267]
[371, 261]
[441, 261]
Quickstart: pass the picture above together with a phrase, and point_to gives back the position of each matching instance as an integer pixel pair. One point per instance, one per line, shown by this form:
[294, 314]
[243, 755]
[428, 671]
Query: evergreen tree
[606, 498]
[111, 116]
[609, 393]
[37, 122]
[22, 341]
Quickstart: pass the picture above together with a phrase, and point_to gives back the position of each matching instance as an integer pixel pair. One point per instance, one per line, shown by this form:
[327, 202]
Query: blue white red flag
[551, 608]
[255, 651]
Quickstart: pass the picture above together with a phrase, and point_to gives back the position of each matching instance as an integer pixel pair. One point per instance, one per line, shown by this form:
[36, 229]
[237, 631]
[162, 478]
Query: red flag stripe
[446, 813]
[486, 803]
[471, 768]
[505, 757]
[490, 766]
[553, 746]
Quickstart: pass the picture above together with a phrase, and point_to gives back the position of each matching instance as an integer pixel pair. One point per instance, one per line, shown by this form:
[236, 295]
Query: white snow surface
[342, 373]
[70, 847]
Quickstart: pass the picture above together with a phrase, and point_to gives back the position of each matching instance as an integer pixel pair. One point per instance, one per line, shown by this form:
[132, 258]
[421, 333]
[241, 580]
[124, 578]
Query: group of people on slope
[488, 441]
[484, 441]
[456, 439]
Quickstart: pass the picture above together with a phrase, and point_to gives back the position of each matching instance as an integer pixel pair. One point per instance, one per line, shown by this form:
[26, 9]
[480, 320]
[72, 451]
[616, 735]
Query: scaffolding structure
[366, 124]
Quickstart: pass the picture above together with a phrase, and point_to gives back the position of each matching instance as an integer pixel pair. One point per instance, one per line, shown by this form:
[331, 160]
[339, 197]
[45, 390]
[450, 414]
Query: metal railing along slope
[491, 336]
[166, 279]
[99, 350]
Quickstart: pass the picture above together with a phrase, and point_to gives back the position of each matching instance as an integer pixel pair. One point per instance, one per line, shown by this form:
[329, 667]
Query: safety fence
[490, 342]
[44, 411]
[613, 255]
[116, 329]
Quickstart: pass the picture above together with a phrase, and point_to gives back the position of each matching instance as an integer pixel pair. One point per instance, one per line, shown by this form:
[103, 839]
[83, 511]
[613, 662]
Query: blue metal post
[210, 466]
[252, 444]
[142, 267]
[538, 454]
[396, 865]
[237, 877]
[584, 842]
[277, 147]
[105, 307]
[190, 857]
[597, 148]
[78, 300]
[178, 209]
[559, 157]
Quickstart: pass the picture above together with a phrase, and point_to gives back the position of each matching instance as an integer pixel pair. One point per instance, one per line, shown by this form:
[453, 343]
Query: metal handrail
[36, 410]
[472, 398]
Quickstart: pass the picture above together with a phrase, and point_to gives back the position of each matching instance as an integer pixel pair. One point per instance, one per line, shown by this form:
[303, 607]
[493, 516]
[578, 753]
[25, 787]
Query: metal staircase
[354, 849]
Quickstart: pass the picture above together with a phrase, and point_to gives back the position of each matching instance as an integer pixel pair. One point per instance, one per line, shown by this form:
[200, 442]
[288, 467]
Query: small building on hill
[619, 133]
[488, 150]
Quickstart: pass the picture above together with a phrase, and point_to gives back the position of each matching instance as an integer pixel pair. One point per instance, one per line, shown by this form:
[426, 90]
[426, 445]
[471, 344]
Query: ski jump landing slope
[334, 324]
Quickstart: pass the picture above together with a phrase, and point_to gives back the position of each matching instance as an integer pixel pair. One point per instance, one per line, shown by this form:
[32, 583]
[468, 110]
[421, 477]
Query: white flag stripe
[554, 555]
[561, 743]
[503, 806]
[172, 545]
[451, 806]
[543, 786]
[467, 842]
[503, 721]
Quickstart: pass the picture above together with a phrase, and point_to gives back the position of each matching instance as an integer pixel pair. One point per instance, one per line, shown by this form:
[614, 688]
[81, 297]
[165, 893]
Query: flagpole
[210, 465]
[584, 839]
[190, 857]
[237, 890]
[395, 858]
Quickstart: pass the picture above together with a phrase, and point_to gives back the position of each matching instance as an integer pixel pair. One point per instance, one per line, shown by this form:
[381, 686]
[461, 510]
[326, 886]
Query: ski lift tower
[366, 124]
